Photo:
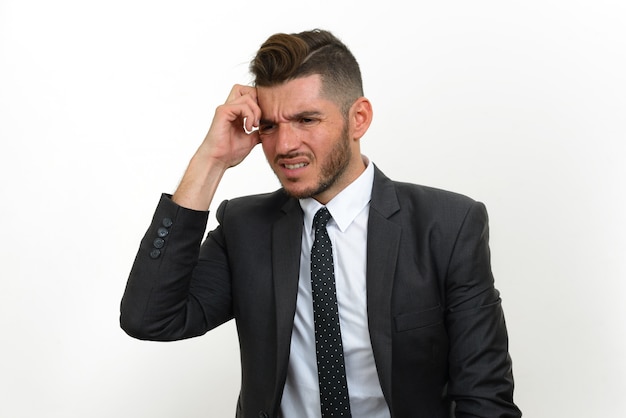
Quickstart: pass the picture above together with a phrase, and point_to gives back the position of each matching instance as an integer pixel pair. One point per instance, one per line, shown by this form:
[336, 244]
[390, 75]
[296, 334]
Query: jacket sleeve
[481, 379]
[167, 282]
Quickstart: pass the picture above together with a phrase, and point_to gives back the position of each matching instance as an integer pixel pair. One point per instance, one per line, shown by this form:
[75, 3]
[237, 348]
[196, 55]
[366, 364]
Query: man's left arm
[481, 378]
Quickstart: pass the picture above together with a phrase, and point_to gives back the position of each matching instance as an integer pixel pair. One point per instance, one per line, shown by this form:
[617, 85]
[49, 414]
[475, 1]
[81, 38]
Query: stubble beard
[331, 171]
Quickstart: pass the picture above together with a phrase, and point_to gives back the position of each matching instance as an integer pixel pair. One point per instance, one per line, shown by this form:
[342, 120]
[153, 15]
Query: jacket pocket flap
[420, 319]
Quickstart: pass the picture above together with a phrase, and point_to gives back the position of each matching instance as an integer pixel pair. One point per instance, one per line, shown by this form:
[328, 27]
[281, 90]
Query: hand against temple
[225, 145]
[227, 142]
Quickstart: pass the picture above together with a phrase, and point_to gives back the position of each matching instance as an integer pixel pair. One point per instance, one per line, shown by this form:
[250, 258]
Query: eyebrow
[297, 116]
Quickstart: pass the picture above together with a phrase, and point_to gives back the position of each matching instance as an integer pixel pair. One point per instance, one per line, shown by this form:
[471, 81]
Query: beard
[331, 170]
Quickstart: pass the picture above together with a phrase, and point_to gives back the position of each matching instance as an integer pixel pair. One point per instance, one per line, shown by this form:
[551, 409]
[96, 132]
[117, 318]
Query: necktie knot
[321, 218]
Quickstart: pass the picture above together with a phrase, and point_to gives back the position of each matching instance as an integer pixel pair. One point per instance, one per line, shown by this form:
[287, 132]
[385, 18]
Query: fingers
[245, 127]
[242, 105]
[231, 135]
[239, 90]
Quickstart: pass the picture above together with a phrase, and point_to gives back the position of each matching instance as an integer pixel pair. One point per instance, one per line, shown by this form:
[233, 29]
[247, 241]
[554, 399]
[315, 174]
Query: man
[405, 321]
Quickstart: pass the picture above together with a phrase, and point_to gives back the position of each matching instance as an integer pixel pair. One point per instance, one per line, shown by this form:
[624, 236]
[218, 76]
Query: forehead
[300, 94]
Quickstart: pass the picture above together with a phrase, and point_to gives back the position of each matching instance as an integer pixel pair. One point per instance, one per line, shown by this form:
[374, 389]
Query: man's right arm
[157, 303]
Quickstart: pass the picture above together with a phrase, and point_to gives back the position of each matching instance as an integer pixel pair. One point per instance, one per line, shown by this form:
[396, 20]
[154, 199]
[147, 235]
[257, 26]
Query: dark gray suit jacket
[435, 319]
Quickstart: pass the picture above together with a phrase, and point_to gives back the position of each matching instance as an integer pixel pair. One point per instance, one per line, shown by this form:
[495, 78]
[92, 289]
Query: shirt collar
[344, 207]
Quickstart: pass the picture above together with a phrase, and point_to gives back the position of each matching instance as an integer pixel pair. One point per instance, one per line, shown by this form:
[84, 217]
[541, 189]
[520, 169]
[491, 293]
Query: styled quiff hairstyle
[284, 57]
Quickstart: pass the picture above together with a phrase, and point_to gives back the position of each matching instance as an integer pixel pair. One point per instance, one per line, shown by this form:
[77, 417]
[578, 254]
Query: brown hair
[284, 57]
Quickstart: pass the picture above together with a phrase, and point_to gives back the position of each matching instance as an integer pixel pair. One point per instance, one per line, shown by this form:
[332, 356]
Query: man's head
[313, 113]
[284, 57]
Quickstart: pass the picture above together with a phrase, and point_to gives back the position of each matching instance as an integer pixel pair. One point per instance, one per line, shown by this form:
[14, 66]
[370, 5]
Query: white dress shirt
[348, 233]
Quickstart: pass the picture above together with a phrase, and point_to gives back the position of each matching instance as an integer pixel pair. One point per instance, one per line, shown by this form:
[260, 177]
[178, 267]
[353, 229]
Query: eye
[307, 121]
[266, 128]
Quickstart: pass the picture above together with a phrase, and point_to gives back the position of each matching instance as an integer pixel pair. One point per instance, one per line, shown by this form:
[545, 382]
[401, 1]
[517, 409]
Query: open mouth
[295, 166]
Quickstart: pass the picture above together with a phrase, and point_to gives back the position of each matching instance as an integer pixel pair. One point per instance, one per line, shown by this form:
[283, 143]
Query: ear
[361, 115]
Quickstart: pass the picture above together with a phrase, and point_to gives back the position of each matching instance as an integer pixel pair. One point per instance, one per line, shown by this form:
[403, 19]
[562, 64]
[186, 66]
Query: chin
[299, 192]
[306, 192]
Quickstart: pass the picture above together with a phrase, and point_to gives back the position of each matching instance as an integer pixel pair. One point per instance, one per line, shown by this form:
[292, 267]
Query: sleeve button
[162, 232]
[167, 222]
[155, 253]
[158, 243]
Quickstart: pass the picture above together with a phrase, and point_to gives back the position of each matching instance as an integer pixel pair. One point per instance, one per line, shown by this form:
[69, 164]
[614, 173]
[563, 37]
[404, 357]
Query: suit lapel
[383, 240]
[286, 246]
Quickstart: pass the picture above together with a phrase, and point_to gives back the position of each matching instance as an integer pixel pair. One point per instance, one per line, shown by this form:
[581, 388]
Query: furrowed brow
[306, 115]
[296, 116]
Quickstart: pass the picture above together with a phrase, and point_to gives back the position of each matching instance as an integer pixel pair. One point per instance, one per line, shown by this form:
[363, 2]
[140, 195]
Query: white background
[521, 105]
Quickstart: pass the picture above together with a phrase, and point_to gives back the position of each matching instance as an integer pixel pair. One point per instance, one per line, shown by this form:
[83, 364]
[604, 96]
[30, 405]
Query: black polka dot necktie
[330, 362]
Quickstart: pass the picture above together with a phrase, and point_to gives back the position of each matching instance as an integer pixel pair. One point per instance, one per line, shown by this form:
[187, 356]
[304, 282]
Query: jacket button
[167, 222]
[155, 253]
[162, 232]
[158, 243]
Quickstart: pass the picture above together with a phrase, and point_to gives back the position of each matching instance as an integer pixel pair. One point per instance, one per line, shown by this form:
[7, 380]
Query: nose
[287, 140]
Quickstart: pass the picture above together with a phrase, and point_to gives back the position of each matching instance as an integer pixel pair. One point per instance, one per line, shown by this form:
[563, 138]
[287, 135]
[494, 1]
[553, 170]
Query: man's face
[306, 139]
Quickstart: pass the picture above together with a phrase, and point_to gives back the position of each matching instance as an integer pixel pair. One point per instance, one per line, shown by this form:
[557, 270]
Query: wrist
[199, 183]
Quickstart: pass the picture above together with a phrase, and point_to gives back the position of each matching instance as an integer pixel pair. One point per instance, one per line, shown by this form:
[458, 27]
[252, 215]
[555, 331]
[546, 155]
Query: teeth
[294, 166]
